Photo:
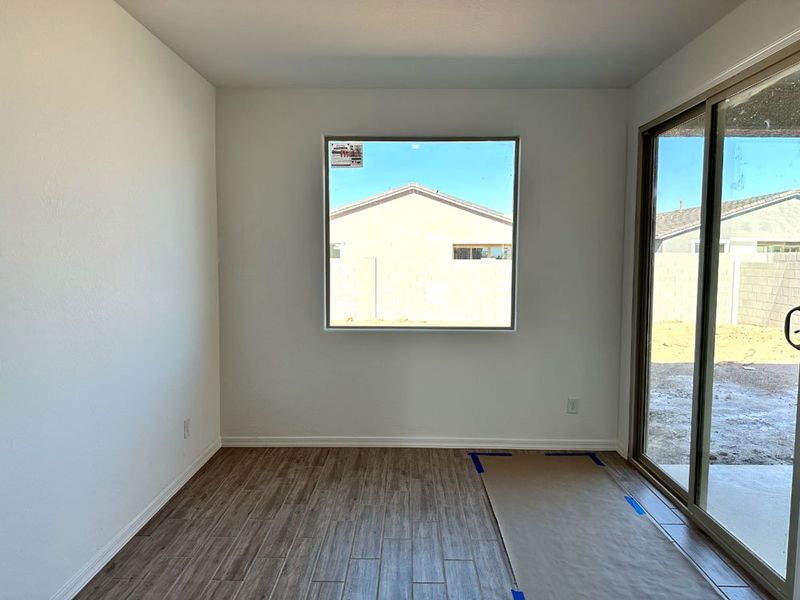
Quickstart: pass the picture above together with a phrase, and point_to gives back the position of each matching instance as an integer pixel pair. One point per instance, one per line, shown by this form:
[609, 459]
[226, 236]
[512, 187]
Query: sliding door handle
[787, 328]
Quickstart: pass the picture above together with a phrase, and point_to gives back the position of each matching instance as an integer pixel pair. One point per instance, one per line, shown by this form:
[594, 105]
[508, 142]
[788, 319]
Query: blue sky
[479, 172]
[750, 167]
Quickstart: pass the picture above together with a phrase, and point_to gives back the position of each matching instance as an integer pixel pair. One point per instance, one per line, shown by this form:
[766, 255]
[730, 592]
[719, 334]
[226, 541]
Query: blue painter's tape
[636, 506]
[592, 455]
[596, 459]
[517, 595]
[477, 461]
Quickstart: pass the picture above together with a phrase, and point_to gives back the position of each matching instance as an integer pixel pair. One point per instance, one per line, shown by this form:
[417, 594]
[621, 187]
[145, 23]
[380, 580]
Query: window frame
[327, 139]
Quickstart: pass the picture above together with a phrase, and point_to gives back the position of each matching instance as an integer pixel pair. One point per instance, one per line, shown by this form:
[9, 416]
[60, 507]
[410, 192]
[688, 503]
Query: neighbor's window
[723, 247]
[468, 252]
[422, 232]
[778, 246]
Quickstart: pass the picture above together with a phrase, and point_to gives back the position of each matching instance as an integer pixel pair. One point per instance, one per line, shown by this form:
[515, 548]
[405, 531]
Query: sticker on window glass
[347, 155]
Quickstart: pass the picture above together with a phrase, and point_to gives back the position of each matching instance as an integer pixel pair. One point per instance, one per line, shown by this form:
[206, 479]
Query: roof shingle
[422, 190]
[674, 222]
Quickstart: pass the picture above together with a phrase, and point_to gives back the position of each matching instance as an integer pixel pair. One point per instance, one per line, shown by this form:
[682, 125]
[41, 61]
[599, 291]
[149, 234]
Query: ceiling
[426, 43]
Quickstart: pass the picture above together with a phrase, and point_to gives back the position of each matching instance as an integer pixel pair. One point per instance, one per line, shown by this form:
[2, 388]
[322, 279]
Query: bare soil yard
[673, 342]
[754, 411]
[755, 395]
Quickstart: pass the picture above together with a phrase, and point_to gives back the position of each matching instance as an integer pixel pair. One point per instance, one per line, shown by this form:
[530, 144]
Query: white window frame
[327, 139]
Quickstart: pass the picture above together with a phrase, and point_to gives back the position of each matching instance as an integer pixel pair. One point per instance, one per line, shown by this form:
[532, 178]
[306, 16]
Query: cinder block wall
[759, 289]
[769, 289]
[675, 287]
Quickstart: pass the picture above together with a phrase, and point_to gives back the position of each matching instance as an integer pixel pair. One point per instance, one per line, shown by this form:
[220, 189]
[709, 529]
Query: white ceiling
[426, 43]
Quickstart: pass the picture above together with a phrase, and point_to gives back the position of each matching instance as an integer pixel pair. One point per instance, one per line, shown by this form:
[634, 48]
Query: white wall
[749, 33]
[282, 376]
[108, 309]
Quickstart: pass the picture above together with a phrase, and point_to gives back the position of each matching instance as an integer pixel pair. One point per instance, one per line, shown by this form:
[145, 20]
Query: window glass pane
[417, 220]
[677, 197]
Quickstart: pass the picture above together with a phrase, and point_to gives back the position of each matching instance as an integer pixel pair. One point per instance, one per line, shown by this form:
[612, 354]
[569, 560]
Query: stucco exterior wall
[396, 266]
[777, 223]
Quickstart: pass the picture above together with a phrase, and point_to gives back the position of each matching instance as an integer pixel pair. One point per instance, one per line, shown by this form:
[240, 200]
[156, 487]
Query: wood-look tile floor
[343, 524]
[321, 523]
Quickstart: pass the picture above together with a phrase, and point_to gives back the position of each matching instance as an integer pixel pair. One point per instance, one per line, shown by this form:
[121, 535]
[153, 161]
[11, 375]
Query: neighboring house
[414, 254]
[417, 221]
[759, 267]
[768, 223]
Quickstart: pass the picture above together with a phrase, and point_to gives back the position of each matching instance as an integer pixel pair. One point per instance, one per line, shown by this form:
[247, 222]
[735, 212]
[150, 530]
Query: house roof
[421, 190]
[675, 222]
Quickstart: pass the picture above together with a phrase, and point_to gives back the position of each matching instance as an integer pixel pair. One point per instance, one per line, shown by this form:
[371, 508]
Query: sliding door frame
[644, 297]
[706, 103]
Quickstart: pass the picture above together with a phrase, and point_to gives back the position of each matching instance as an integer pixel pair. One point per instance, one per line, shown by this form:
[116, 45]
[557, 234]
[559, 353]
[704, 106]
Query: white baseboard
[107, 552]
[420, 442]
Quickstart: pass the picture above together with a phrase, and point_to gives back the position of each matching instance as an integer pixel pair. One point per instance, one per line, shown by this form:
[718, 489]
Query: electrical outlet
[572, 406]
[186, 431]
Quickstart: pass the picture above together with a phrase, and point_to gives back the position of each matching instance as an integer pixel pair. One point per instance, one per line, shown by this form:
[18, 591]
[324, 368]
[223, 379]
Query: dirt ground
[673, 342]
[754, 404]
[753, 413]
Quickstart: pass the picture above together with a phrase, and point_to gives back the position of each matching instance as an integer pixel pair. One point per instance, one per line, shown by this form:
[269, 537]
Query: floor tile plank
[456, 542]
[221, 590]
[326, 590]
[396, 569]
[369, 532]
[719, 571]
[237, 514]
[335, 554]
[398, 516]
[295, 578]
[430, 591]
[462, 580]
[104, 588]
[362, 580]
[260, 579]
[245, 549]
[493, 572]
[427, 553]
[201, 569]
[284, 529]
[165, 573]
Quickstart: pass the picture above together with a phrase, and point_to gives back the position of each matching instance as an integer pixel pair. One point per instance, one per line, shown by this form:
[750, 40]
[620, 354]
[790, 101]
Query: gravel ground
[753, 416]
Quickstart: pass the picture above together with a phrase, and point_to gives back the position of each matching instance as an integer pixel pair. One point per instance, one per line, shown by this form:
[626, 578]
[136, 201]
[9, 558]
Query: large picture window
[420, 233]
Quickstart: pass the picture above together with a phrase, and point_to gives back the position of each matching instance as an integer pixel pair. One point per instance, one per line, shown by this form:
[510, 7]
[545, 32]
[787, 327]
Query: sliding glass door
[748, 450]
[717, 371]
[677, 197]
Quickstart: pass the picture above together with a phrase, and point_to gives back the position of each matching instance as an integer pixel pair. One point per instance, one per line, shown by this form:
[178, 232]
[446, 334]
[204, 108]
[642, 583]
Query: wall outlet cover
[572, 406]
